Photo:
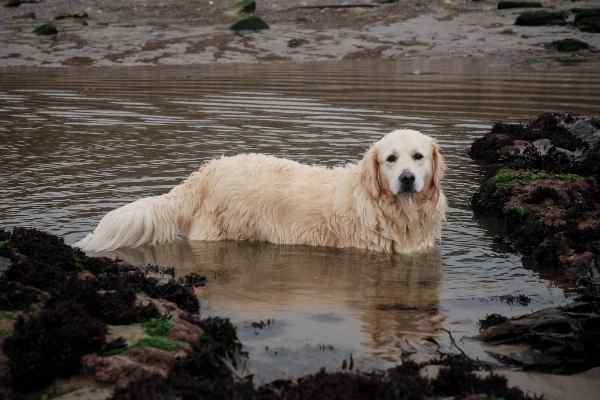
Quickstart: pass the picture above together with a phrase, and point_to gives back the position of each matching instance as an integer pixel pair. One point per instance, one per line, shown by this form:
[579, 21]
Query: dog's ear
[438, 165]
[369, 174]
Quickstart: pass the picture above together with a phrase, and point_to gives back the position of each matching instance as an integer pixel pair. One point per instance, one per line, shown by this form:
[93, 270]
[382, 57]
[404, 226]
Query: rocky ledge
[543, 191]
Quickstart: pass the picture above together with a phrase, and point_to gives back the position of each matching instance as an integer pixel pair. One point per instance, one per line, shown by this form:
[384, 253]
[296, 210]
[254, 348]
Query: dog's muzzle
[407, 182]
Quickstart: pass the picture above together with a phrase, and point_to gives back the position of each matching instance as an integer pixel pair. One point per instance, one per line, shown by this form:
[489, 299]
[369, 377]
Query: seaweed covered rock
[116, 305]
[46, 29]
[541, 18]
[15, 296]
[587, 20]
[568, 45]
[562, 339]
[66, 303]
[51, 344]
[559, 142]
[228, 344]
[545, 190]
[249, 24]
[45, 262]
[505, 5]
[204, 373]
[553, 219]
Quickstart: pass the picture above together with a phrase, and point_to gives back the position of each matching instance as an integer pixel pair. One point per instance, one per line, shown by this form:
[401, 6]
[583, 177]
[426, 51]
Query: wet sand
[179, 32]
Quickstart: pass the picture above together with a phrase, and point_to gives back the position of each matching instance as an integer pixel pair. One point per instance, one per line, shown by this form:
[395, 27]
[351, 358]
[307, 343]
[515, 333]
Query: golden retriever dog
[390, 201]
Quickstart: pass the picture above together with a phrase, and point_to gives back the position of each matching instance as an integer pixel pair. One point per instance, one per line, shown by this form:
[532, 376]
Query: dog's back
[259, 197]
[244, 197]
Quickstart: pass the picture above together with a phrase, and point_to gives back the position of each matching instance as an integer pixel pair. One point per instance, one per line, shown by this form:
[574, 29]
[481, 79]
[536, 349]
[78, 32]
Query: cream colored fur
[264, 198]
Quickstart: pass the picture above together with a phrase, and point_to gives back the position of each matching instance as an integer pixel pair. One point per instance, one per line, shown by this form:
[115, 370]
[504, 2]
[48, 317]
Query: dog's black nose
[407, 181]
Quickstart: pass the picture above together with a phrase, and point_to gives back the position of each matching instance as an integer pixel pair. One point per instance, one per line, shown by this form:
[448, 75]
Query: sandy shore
[133, 32]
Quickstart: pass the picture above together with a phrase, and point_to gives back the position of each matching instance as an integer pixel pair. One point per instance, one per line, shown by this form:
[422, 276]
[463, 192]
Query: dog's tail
[150, 220]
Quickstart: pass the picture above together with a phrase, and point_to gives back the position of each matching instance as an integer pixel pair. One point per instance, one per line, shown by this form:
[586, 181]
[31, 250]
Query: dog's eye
[391, 158]
[417, 156]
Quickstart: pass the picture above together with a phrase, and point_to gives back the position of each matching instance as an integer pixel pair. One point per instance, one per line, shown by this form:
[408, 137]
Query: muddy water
[76, 143]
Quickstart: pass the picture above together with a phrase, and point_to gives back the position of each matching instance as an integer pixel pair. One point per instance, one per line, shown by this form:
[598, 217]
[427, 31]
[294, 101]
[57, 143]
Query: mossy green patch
[4, 244]
[159, 342]
[158, 327]
[520, 211]
[8, 314]
[252, 23]
[504, 176]
[410, 43]
[507, 177]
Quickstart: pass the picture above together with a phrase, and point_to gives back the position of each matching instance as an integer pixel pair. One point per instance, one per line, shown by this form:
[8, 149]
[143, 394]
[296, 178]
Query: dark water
[74, 144]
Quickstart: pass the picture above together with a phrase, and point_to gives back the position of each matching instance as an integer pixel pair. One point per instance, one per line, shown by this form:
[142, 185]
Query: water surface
[77, 143]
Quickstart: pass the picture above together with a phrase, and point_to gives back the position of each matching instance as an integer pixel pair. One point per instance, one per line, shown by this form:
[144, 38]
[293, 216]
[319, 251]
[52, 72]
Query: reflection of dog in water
[390, 201]
[394, 297]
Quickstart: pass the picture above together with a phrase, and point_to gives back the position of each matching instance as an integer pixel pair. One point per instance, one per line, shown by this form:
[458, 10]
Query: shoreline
[122, 37]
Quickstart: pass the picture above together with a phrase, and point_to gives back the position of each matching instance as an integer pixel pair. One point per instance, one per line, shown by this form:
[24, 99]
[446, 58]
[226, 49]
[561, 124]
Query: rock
[550, 218]
[131, 333]
[79, 15]
[541, 18]
[5, 264]
[564, 339]
[546, 189]
[15, 296]
[504, 5]
[185, 331]
[293, 43]
[120, 370]
[245, 6]
[560, 142]
[159, 359]
[78, 61]
[12, 3]
[588, 20]
[252, 23]
[51, 344]
[568, 45]
[86, 393]
[46, 29]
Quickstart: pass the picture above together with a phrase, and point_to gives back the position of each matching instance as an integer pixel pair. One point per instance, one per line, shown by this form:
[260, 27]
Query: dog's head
[403, 163]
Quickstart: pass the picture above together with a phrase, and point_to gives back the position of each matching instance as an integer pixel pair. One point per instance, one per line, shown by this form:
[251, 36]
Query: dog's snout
[407, 178]
[407, 181]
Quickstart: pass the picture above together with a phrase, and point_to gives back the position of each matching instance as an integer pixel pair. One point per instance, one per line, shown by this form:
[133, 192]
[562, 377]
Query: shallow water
[77, 143]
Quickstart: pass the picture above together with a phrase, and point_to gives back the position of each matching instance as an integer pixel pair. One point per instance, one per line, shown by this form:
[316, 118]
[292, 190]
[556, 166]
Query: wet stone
[46, 29]
[293, 43]
[245, 6]
[252, 24]
[12, 3]
[588, 20]
[568, 45]
[79, 15]
[541, 18]
[504, 5]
